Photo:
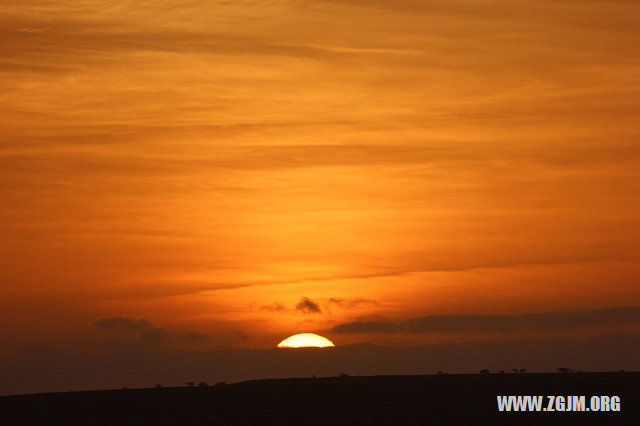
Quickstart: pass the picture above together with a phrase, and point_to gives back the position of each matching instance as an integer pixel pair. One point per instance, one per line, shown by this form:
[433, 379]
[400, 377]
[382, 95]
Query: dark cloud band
[495, 323]
[122, 323]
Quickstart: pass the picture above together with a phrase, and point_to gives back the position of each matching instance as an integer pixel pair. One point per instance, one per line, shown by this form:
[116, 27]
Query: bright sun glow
[305, 340]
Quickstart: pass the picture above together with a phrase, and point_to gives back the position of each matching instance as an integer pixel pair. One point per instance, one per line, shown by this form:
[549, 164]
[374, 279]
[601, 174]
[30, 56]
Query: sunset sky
[223, 174]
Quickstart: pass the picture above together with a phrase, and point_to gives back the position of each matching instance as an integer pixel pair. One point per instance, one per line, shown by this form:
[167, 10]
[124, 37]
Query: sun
[306, 340]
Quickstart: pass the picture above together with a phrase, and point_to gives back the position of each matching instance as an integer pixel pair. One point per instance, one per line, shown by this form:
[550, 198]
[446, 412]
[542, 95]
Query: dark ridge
[437, 399]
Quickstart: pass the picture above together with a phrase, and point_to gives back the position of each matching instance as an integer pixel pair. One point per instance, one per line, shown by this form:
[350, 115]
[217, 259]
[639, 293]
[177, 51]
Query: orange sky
[206, 165]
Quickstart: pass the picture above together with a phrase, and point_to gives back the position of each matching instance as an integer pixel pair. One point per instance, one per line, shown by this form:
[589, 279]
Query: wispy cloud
[274, 307]
[351, 303]
[122, 323]
[194, 337]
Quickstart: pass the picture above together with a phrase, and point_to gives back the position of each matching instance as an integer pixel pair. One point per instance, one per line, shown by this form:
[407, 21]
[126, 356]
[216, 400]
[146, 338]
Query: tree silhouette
[522, 370]
[203, 384]
[515, 370]
[484, 371]
[190, 384]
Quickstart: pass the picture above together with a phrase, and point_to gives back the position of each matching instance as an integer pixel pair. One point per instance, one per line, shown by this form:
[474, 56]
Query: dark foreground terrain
[443, 399]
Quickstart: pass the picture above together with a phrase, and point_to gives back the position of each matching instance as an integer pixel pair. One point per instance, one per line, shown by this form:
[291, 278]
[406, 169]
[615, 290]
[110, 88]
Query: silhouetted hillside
[393, 400]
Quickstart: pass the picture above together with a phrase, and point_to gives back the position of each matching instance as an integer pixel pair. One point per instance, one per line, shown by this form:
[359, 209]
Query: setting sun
[305, 340]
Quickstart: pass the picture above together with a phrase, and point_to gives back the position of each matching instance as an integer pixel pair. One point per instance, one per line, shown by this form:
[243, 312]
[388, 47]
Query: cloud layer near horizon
[547, 321]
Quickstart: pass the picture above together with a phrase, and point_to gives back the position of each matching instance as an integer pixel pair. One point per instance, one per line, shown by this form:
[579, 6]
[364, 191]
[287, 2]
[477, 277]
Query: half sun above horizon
[306, 340]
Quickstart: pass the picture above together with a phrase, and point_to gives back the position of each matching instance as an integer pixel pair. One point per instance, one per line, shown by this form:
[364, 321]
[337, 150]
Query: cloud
[495, 323]
[274, 307]
[154, 335]
[148, 337]
[155, 339]
[122, 323]
[351, 303]
[308, 306]
[194, 337]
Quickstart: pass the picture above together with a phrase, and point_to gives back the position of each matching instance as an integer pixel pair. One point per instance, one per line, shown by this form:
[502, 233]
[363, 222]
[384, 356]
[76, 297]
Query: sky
[222, 174]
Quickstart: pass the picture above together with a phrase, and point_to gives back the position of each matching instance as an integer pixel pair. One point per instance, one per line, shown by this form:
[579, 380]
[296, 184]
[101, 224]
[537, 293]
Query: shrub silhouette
[203, 384]
[484, 371]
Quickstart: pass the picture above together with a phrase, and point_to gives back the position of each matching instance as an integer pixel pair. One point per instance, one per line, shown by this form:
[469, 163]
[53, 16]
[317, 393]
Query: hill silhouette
[437, 399]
